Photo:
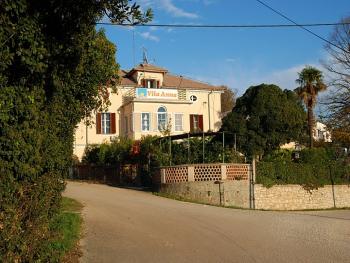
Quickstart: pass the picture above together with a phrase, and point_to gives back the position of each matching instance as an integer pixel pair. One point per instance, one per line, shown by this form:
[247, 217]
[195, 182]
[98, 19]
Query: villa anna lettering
[157, 93]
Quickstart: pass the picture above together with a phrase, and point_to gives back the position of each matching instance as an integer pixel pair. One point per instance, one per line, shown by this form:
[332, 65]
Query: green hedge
[315, 168]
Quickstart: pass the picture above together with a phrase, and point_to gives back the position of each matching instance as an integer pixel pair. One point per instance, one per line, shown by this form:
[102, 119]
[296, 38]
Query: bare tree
[338, 65]
[228, 100]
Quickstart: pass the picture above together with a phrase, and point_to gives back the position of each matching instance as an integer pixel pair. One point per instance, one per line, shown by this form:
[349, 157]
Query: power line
[225, 26]
[303, 26]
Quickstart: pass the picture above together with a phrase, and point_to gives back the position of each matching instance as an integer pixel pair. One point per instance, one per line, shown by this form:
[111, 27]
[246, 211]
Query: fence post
[162, 176]
[251, 185]
[190, 173]
[223, 147]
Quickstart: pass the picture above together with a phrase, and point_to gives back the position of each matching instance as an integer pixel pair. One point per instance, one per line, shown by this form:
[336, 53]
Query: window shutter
[191, 123]
[143, 83]
[113, 130]
[98, 123]
[200, 122]
[158, 84]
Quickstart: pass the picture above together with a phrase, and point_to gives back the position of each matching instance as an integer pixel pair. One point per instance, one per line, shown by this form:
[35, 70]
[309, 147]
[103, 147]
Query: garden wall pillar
[190, 174]
[223, 172]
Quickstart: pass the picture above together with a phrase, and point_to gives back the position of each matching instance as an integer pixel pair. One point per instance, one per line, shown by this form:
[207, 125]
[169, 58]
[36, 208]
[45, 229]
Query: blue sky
[237, 58]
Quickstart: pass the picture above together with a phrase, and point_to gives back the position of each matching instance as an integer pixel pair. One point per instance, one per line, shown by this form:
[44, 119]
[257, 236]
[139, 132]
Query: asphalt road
[124, 225]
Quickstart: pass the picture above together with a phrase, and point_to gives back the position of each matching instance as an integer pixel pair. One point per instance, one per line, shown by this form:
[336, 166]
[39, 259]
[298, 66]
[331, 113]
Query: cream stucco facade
[149, 100]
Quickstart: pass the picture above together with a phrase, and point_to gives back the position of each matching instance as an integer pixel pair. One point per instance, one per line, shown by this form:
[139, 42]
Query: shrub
[315, 168]
[281, 155]
[118, 152]
[315, 156]
[91, 154]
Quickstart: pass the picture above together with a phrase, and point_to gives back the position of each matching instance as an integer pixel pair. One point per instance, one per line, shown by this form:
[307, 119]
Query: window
[320, 134]
[196, 123]
[178, 122]
[105, 123]
[145, 121]
[162, 118]
[150, 83]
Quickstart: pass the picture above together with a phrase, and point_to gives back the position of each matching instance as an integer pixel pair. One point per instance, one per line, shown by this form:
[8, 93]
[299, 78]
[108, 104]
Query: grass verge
[66, 228]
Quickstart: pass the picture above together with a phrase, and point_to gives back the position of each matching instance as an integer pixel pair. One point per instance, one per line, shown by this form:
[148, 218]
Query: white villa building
[149, 100]
[321, 133]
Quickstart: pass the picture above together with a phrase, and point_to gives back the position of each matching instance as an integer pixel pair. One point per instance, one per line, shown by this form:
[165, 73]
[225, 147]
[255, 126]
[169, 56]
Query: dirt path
[130, 226]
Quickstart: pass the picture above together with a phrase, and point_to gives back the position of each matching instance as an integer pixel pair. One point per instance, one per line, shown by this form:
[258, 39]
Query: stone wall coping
[299, 186]
[201, 164]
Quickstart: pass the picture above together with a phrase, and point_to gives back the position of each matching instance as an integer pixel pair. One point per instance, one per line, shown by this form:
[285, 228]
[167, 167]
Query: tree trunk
[310, 120]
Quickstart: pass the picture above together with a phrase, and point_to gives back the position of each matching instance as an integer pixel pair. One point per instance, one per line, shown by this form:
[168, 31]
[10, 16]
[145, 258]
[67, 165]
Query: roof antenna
[145, 59]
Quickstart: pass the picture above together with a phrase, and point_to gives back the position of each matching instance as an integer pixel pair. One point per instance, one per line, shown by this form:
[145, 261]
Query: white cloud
[239, 78]
[230, 60]
[285, 78]
[149, 36]
[208, 2]
[169, 7]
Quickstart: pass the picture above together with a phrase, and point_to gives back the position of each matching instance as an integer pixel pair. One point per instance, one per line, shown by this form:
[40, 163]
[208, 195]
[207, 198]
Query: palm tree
[310, 84]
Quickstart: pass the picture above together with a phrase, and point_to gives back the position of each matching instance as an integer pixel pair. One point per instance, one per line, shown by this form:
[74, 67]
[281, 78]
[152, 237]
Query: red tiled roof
[170, 81]
[148, 67]
[181, 82]
[125, 80]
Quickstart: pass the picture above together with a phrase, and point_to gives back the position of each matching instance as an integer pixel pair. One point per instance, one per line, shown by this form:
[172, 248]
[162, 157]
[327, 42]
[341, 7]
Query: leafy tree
[310, 84]
[228, 99]
[339, 68]
[264, 118]
[53, 67]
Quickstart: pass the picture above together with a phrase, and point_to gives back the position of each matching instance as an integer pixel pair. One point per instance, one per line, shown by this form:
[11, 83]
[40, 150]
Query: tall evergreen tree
[263, 119]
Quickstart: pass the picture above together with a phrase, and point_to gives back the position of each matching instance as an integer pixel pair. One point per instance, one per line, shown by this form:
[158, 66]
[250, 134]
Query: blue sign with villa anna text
[141, 92]
[164, 94]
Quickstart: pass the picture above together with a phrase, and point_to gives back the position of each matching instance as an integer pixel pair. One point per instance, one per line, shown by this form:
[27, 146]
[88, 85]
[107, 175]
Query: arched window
[162, 118]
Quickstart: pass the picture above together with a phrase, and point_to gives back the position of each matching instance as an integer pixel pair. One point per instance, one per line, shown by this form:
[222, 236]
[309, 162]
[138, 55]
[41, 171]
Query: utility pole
[203, 146]
[235, 143]
[223, 147]
[170, 157]
[209, 109]
[188, 149]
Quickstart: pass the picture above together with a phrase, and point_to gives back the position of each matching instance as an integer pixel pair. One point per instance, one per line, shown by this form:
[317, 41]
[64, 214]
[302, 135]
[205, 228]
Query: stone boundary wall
[279, 197]
[227, 193]
[295, 197]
